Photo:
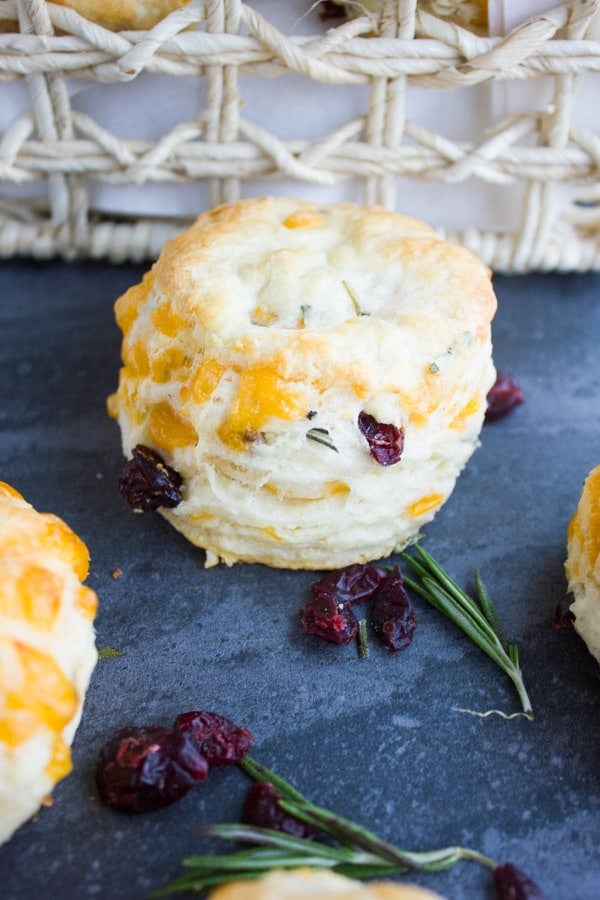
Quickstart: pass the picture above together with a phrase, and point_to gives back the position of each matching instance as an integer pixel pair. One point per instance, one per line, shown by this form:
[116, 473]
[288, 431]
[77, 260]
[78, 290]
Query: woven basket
[53, 156]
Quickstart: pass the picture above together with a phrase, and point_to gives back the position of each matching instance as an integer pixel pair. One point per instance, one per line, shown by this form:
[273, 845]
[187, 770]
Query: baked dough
[122, 15]
[47, 653]
[582, 566]
[467, 13]
[318, 884]
[269, 327]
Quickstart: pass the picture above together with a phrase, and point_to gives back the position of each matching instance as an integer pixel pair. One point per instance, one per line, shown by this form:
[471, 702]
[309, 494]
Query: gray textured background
[379, 740]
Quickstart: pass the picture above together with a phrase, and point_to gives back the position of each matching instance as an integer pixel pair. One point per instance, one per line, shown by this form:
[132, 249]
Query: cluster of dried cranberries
[329, 615]
[144, 768]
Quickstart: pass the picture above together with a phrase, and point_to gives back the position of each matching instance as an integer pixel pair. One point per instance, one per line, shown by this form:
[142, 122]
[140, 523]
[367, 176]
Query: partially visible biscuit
[582, 566]
[262, 341]
[24, 530]
[472, 14]
[47, 653]
[123, 15]
[318, 884]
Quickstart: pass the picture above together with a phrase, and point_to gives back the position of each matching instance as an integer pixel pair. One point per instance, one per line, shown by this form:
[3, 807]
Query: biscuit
[269, 350]
[47, 653]
[582, 566]
[122, 15]
[318, 884]
[471, 14]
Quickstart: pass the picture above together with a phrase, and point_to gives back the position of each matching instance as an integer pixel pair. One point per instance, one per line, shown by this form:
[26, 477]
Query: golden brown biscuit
[318, 884]
[582, 566]
[47, 653]
[270, 349]
[123, 15]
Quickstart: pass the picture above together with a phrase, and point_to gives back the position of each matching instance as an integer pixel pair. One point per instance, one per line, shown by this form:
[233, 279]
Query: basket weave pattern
[221, 41]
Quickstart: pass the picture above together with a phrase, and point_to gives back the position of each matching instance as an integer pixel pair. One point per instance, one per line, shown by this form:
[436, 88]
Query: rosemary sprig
[476, 617]
[352, 850]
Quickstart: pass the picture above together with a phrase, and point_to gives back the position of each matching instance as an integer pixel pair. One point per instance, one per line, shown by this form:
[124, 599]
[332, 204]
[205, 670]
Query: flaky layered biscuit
[252, 348]
[582, 566]
[47, 653]
[295, 884]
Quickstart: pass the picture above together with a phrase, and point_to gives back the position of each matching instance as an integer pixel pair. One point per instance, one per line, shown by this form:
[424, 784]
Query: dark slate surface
[381, 740]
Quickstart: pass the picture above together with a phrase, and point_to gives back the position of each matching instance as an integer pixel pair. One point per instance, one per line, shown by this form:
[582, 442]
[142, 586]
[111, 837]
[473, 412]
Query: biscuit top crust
[287, 264]
[299, 301]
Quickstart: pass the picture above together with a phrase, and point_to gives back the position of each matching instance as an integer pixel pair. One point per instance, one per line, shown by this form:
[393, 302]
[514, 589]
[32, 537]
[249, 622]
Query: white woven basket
[54, 157]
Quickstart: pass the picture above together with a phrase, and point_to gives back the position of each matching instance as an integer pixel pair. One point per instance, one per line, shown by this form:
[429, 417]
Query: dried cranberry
[502, 397]
[392, 616]
[512, 884]
[140, 769]
[563, 617]
[261, 808]
[328, 619]
[331, 10]
[351, 584]
[147, 482]
[216, 738]
[386, 442]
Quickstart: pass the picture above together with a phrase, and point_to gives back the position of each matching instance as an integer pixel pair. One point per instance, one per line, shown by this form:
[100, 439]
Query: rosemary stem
[517, 680]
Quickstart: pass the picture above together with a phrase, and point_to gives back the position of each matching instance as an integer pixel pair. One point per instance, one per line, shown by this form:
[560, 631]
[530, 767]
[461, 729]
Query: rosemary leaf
[362, 639]
[355, 301]
[485, 601]
[321, 436]
[194, 882]
[365, 871]
[109, 653]
[260, 773]
[268, 837]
